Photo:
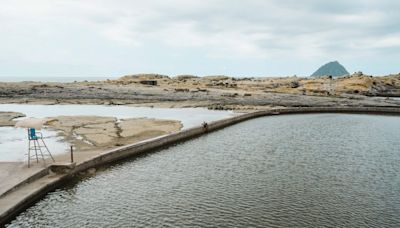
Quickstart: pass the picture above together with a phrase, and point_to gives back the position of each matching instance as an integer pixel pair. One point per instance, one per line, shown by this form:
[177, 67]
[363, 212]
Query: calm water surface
[54, 79]
[317, 170]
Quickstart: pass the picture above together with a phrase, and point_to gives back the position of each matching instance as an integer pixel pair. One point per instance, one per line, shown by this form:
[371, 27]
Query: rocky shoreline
[217, 93]
[213, 93]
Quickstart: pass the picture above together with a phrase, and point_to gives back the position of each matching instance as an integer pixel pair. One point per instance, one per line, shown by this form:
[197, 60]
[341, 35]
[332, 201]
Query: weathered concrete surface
[62, 167]
[18, 200]
[96, 132]
[13, 174]
[25, 196]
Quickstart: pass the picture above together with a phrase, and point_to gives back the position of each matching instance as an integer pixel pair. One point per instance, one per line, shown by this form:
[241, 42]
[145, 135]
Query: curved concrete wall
[156, 143]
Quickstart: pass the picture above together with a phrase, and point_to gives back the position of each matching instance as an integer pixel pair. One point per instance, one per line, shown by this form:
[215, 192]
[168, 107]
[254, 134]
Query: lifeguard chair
[36, 138]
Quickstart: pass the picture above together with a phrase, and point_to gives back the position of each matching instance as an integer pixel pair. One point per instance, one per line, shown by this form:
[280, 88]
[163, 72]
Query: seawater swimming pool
[295, 170]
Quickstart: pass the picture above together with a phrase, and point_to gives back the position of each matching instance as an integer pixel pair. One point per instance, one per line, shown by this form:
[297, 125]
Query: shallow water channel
[313, 170]
[13, 141]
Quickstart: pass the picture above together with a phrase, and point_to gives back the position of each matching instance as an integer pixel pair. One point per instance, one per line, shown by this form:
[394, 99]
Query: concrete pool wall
[33, 189]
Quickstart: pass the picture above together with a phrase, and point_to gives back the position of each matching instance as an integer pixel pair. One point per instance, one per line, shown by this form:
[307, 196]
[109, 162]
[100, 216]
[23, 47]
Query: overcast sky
[201, 37]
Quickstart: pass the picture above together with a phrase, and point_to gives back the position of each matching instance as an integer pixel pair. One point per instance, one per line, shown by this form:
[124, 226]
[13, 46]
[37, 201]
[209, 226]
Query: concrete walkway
[15, 174]
[22, 197]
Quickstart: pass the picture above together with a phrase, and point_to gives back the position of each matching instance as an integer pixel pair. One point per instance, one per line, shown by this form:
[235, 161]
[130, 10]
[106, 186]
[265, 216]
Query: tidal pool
[314, 170]
[189, 117]
[14, 142]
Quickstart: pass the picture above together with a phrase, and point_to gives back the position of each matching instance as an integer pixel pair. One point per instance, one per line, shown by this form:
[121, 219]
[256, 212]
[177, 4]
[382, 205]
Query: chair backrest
[32, 134]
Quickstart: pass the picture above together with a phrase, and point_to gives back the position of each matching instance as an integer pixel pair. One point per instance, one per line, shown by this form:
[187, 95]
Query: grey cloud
[239, 29]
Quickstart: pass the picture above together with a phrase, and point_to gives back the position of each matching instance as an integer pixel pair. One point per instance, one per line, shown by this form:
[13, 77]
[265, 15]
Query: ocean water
[54, 79]
[315, 170]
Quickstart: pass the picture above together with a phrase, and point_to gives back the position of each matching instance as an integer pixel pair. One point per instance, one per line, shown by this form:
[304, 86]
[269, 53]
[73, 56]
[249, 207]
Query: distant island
[334, 69]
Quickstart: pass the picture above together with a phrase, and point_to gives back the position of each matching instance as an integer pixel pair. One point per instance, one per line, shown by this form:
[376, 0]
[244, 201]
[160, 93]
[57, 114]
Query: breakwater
[18, 202]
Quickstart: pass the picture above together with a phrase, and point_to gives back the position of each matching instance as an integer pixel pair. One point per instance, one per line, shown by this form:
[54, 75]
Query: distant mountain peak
[334, 69]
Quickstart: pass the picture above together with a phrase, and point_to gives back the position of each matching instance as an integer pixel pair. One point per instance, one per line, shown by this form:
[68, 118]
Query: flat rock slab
[88, 132]
[7, 117]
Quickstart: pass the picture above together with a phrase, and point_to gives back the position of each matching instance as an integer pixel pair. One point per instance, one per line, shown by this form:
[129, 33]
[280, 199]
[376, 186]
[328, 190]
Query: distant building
[149, 82]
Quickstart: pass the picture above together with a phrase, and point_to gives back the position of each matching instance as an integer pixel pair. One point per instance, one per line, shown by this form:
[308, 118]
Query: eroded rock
[6, 118]
[88, 132]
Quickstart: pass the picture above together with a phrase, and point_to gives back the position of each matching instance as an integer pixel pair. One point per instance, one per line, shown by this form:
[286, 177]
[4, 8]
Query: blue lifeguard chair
[38, 143]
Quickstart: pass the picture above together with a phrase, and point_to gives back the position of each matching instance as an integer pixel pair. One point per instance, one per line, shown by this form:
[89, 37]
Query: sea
[55, 79]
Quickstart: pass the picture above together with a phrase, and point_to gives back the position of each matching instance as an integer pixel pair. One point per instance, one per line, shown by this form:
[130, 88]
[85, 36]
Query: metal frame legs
[38, 148]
